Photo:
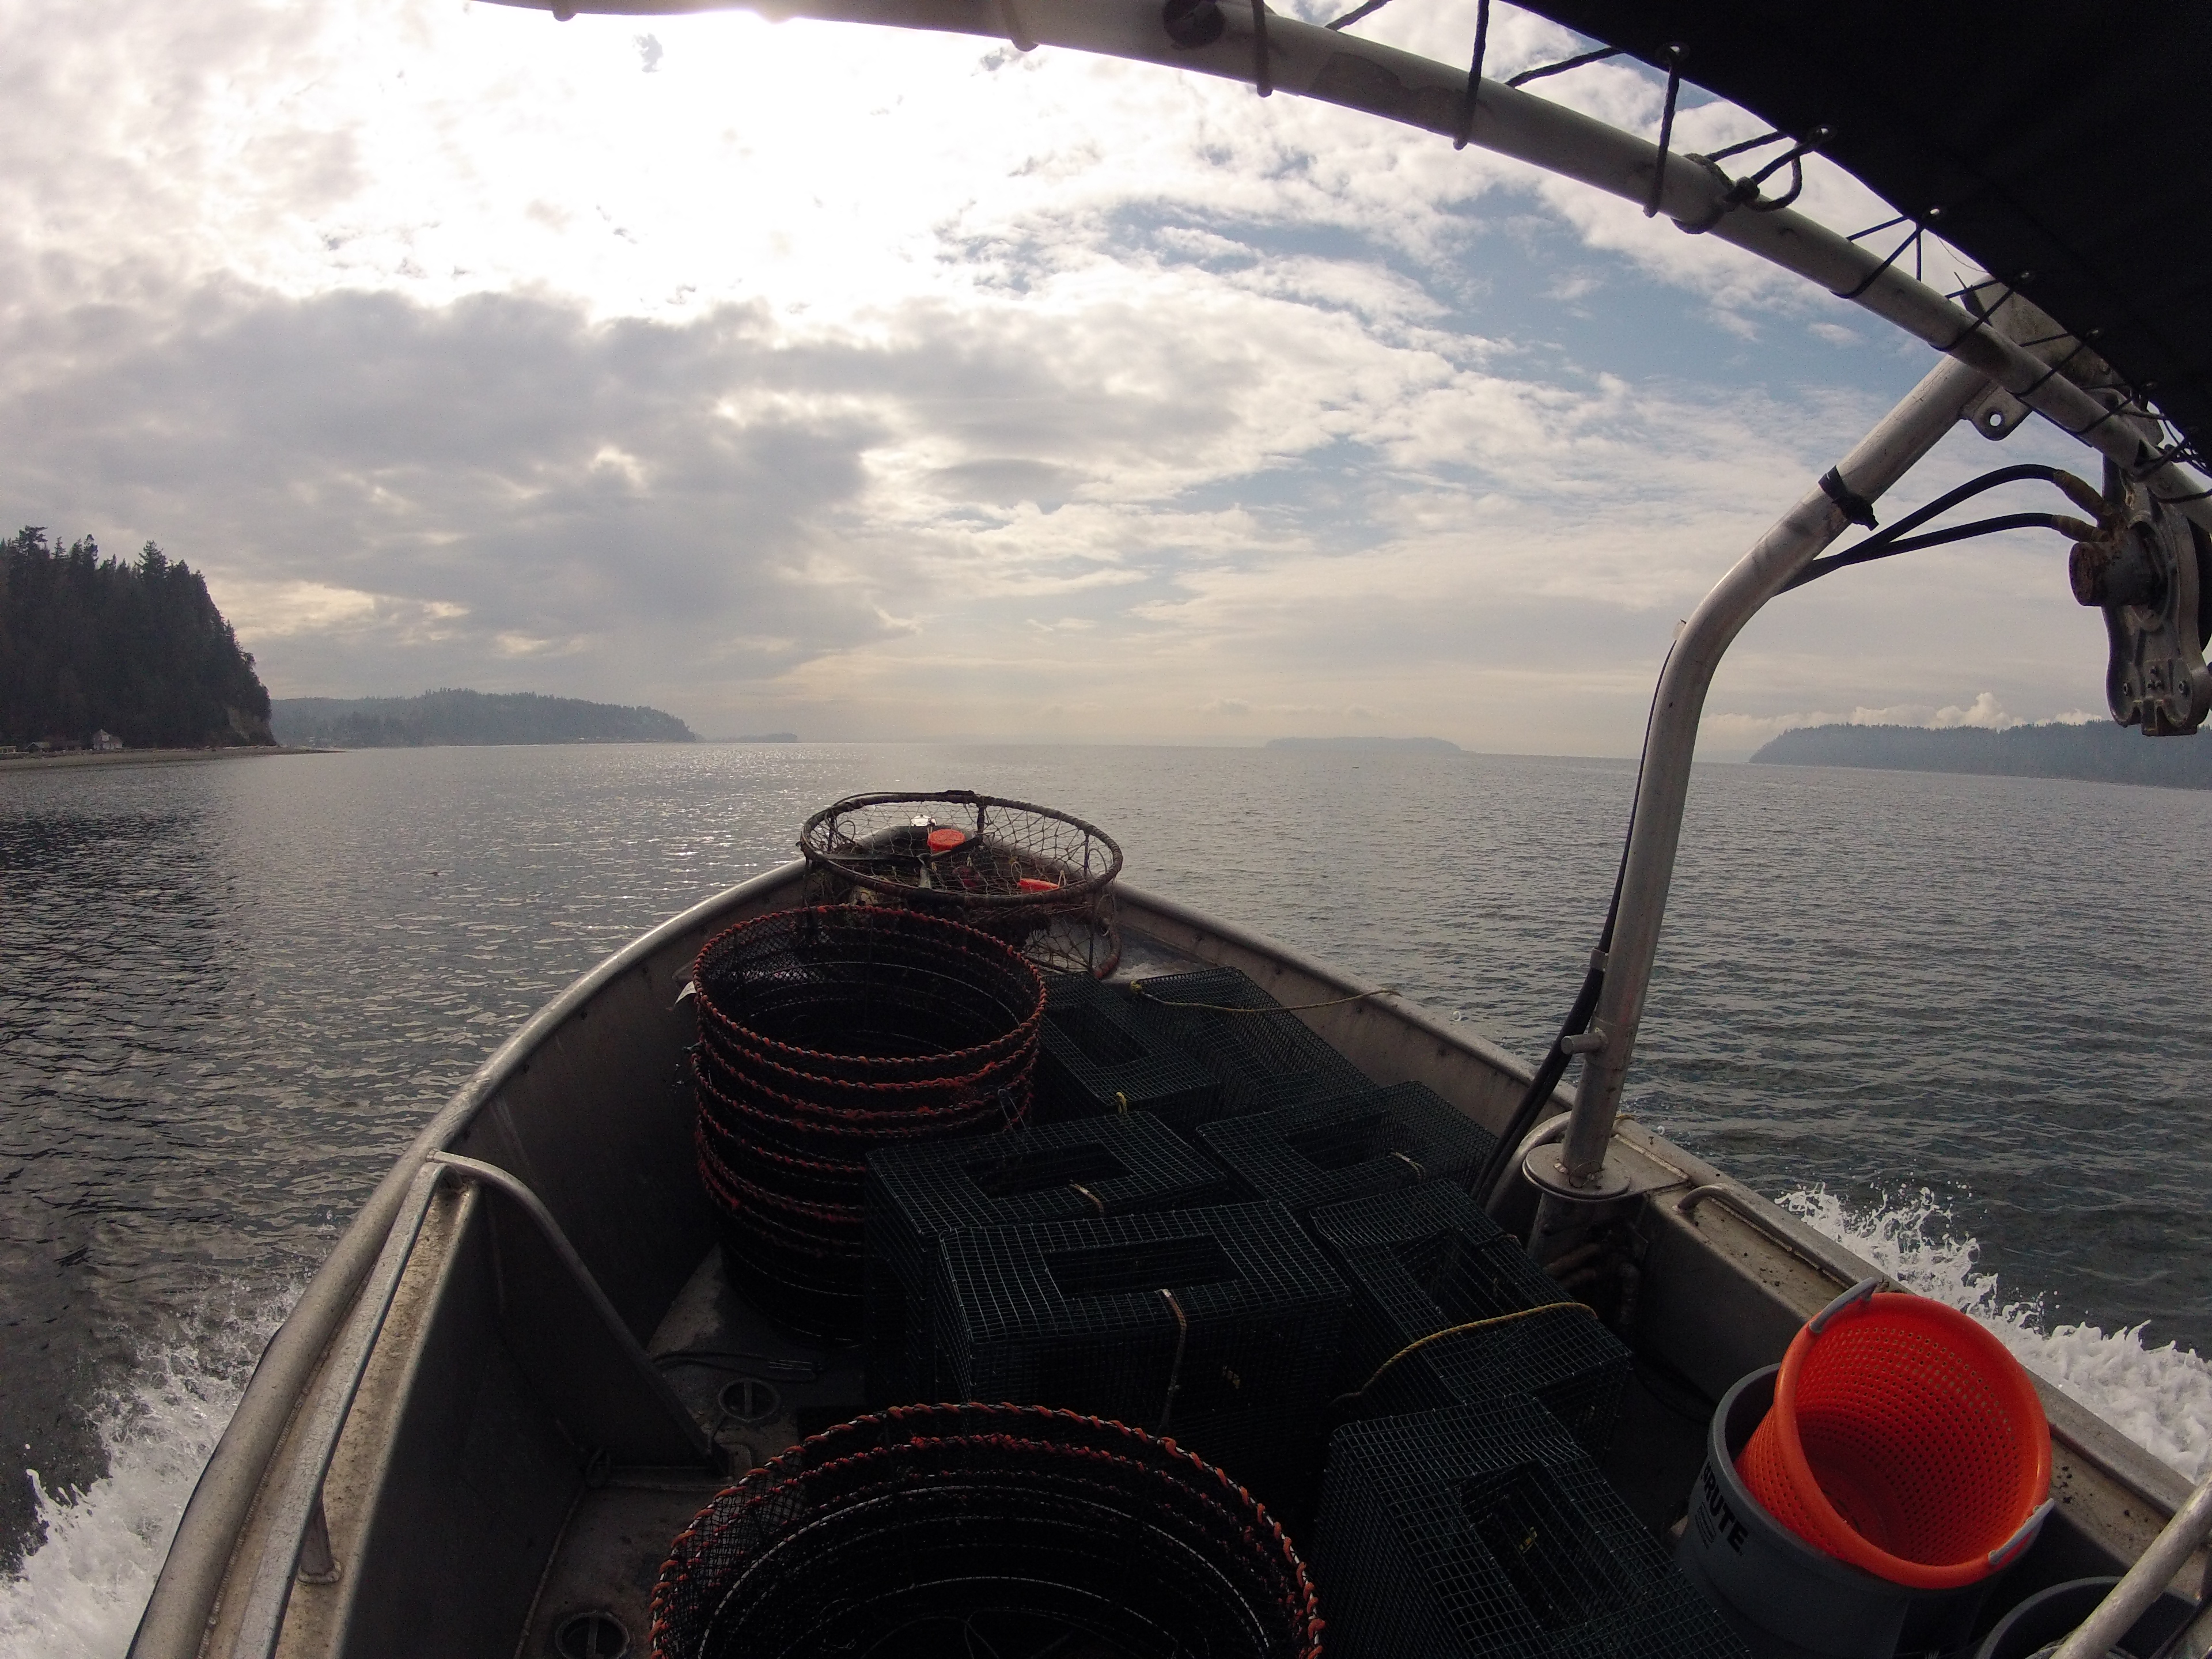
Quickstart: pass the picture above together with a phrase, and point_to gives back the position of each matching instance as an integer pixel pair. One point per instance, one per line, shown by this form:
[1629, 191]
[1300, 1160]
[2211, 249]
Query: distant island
[96, 653]
[1403, 745]
[2098, 752]
[767, 737]
[439, 718]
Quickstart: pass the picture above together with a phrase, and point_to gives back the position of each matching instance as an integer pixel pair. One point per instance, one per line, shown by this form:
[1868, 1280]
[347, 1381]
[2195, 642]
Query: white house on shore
[106, 742]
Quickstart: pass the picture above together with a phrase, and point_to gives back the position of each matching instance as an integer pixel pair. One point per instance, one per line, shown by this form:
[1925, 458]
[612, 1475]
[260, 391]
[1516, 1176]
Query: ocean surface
[1954, 1021]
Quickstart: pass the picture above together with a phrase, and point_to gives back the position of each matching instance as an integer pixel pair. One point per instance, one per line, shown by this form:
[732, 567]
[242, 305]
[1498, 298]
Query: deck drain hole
[596, 1634]
[749, 1399]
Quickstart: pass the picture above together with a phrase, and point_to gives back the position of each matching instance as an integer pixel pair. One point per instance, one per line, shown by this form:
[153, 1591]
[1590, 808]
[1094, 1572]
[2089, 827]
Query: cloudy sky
[872, 384]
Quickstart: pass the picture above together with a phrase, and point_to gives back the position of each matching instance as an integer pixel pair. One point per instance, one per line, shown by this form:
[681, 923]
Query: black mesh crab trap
[1037, 877]
[1101, 1052]
[824, 1033]
[956, 1530]
[917, 1193]
[1348, 1145]
[1218, 1326]
[1447, 1310]
[1476, 1532]
[1238, 1034]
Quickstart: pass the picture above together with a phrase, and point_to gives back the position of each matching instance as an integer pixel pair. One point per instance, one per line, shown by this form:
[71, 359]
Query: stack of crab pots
[825, 1033]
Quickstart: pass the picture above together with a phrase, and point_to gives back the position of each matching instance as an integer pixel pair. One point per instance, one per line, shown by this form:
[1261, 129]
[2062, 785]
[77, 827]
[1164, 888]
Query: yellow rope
[1454, 1330]
[1137, 989]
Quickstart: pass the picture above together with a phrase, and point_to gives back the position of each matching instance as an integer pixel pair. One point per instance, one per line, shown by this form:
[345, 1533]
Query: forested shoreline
[92, 644]
[461, 717]
[2096, 751]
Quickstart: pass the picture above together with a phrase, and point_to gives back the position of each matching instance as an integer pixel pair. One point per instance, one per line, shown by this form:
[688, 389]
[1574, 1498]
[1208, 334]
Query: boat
[524, 1368]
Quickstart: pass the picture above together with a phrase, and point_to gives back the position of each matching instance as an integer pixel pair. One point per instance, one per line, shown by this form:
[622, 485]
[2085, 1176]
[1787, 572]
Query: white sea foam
[78, 1593]
[2160, 1397]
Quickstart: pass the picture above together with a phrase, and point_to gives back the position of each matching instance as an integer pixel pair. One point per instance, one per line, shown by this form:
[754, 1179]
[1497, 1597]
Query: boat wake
[79, 1592]
[2160, 1397]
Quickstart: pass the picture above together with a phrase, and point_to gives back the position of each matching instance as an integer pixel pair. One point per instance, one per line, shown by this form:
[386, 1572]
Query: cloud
[819, 364]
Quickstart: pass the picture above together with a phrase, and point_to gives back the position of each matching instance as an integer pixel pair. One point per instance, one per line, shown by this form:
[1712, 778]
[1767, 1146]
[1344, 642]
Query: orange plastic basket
[1903, 1440]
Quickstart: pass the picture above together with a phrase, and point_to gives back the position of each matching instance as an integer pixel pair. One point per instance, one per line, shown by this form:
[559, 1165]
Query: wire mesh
[1098, 1053]
[1036, 878]
[1483, 1531]
[1427, 1260]
[926, 1527]
[866, 996]
[1344, 1146]
[1220, 1326]
[916, 1195]
[1238, 1034]
[825, 1034]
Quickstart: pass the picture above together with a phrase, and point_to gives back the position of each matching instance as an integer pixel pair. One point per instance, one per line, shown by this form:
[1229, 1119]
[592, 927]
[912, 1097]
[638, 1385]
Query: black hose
[1554, 1065]
[1897, 538]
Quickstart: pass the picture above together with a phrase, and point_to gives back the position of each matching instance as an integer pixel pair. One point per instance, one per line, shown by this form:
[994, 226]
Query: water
[1949, 1019]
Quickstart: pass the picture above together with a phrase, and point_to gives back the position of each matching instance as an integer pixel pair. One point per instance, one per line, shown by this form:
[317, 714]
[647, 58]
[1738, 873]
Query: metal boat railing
[1577, 1173]
[175, 1622]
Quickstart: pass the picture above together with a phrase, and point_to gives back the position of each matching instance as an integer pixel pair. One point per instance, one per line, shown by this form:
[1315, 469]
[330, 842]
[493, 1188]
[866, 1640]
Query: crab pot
[917, 1193]
[1038, 879]
[958, 1529]
[1346, 1146]
[1785, 1598]
[1427, 1261]
[826, 1034]
[1097, 1054]
[1485, 1532]
[1218, 1327]
[1239, 1035]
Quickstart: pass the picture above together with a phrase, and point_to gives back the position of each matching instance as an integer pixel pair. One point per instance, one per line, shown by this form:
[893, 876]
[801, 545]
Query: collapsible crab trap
[1348, 1145]
[1480, 1532]
[1101, 1051]
[1189, 1047]
[1035, 877]
[1447, 1310]
[959, 1530]
[918, 1193]
[1261, 1052]
[825, 1033]
[1217, 1326]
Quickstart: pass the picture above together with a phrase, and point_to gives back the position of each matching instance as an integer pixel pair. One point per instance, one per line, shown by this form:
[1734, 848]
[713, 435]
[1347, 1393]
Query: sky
[884, 386]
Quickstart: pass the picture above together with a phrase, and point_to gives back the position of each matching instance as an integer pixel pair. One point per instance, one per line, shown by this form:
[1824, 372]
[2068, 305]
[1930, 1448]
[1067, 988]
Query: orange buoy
[943, 841]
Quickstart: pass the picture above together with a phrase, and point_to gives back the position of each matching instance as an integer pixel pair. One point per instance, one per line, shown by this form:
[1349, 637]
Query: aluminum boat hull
[509, 1458]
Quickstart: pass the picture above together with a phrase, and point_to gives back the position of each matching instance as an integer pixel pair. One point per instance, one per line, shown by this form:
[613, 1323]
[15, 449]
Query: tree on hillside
[88, 643]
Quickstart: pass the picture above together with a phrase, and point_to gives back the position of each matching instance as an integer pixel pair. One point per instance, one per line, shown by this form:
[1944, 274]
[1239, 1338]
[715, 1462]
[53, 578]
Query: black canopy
[2067, 143]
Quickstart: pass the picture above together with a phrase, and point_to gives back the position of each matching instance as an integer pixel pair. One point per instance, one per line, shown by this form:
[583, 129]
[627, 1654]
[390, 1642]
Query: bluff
[2098, 752]
[438, 718]
[138, 650]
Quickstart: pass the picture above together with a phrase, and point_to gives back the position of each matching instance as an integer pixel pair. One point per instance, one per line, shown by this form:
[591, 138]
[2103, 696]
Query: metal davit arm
[1576, 1170]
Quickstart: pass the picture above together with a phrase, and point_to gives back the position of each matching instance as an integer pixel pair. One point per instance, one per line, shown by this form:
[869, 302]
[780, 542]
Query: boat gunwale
[196, 1569]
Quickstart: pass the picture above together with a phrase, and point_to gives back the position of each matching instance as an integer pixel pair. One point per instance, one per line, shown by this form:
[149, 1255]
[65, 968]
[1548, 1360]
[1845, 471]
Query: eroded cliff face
[248, 727]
